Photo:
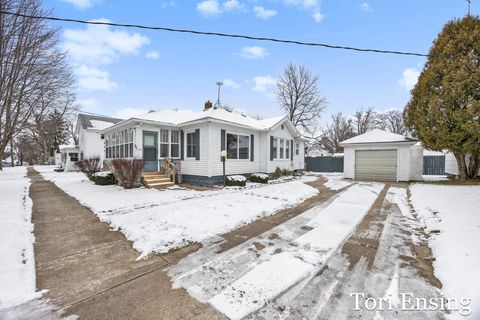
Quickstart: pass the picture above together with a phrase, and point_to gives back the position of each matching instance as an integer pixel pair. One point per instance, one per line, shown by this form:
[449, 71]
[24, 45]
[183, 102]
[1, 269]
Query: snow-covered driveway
[158, 221]
[244, 279]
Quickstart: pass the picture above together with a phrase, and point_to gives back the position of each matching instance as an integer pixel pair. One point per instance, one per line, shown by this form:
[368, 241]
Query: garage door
[376, 165]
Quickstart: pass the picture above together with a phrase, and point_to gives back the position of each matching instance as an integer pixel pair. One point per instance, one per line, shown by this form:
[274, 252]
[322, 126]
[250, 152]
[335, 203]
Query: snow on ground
[452, 217]
[336, 181]
[157, 221]
[17, 267]
[242, 280]
[435, 178]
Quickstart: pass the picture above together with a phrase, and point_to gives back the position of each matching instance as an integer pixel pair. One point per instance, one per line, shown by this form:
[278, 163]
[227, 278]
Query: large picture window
[238, 146]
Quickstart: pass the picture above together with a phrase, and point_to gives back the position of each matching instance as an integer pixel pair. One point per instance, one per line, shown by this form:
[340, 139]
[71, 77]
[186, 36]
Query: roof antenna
[469, 2]
[218, 104]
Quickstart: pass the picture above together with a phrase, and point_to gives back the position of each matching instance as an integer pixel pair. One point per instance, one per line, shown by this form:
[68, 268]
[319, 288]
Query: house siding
[231, 166]
[191, 166]
[91, 144]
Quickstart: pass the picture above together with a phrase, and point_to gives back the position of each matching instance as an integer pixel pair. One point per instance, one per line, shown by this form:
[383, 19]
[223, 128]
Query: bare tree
[33, 72]
[365, 120]
[393, 121]
[340, 129]
[299, 95]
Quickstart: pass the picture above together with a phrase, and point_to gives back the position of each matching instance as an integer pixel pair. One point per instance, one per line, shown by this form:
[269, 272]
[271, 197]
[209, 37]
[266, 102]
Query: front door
[150, 151]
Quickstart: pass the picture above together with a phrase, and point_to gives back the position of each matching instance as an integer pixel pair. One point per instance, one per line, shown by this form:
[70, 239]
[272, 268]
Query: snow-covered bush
[104, 178]
[237, 180]
[259, 177]
[128, 172]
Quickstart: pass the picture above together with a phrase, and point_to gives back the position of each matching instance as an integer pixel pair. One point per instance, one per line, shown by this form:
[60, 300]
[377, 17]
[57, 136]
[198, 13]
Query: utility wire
[218, 34]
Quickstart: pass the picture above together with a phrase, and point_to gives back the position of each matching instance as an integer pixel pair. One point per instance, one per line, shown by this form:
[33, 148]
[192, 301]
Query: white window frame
[285, 143]
[175, 143]
[238, 134]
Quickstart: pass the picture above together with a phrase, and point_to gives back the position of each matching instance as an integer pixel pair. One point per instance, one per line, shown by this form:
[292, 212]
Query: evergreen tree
[444, 109]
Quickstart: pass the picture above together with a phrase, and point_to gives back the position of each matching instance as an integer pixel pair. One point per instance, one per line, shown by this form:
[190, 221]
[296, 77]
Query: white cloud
[152, 54]
[90, 105]
[231, 84]
[253, 53]
[262, 83]
[409, 78]
[92, 78]
[263, 13]
[82, 4]
[231, 5]
[307, 4]
[126, 113]
[209, 8]
[366, 7]
[99, 44]
[318, 16]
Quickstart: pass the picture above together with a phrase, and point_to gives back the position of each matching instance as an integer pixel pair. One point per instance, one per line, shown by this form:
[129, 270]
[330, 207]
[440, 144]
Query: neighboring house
[383, 156]
[451, 166]
[90, 141]
[68, 155]
[316, 151]
[195, 139]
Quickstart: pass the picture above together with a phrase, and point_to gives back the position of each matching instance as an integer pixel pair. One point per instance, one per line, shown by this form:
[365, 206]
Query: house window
[297, 148]
[174, 144]
[238, 146]
[164, 143]
[119, 144]
[282, 146]
[281, 149]
[191, 145]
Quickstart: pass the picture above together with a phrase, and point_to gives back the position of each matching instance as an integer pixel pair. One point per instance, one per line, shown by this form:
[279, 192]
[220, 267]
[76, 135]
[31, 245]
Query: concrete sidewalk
[92, 272]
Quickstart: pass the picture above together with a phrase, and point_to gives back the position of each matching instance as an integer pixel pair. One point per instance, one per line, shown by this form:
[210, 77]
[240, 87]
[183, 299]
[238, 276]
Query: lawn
[158, 221]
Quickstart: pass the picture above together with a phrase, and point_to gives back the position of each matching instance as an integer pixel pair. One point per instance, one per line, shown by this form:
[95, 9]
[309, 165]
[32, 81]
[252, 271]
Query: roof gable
[89, 121]
[377, 136]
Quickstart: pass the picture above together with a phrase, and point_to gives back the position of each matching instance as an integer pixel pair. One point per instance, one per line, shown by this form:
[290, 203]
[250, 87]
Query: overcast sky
[122, 72]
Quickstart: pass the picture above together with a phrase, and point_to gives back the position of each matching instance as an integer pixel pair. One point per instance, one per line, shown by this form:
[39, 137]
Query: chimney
[208, 105]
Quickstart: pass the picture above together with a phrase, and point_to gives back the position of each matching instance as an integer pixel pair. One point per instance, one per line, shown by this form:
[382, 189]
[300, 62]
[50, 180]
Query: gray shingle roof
[83, 120]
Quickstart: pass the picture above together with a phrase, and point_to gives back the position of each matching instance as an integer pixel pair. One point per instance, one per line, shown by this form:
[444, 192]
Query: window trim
[238, 145]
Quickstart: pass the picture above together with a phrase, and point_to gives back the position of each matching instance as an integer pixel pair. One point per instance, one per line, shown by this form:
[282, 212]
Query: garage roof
[377, 136]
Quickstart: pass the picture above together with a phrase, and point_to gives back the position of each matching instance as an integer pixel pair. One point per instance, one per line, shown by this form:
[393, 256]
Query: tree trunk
[473, 166]
[462, 167]
[11, 151]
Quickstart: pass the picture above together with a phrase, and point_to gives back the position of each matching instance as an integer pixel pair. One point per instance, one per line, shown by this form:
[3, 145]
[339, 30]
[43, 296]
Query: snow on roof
[100, 125]
[377, 136]
[176, 117]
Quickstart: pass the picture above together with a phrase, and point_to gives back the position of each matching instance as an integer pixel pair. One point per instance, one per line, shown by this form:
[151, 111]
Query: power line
[218, 34]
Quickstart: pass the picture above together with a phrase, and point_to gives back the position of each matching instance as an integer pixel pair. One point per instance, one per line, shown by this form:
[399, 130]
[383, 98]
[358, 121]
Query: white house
[383, 156]
[195, 139]
[90, 141]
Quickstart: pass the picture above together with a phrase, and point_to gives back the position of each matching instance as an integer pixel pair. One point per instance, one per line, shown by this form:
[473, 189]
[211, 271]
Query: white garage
[382, 156]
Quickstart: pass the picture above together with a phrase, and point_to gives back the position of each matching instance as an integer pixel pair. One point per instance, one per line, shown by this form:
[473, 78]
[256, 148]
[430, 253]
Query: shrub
[128, 173]
[281, 173]
[237, 180]
[104, 178]
[259, 177]
[89, 166]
